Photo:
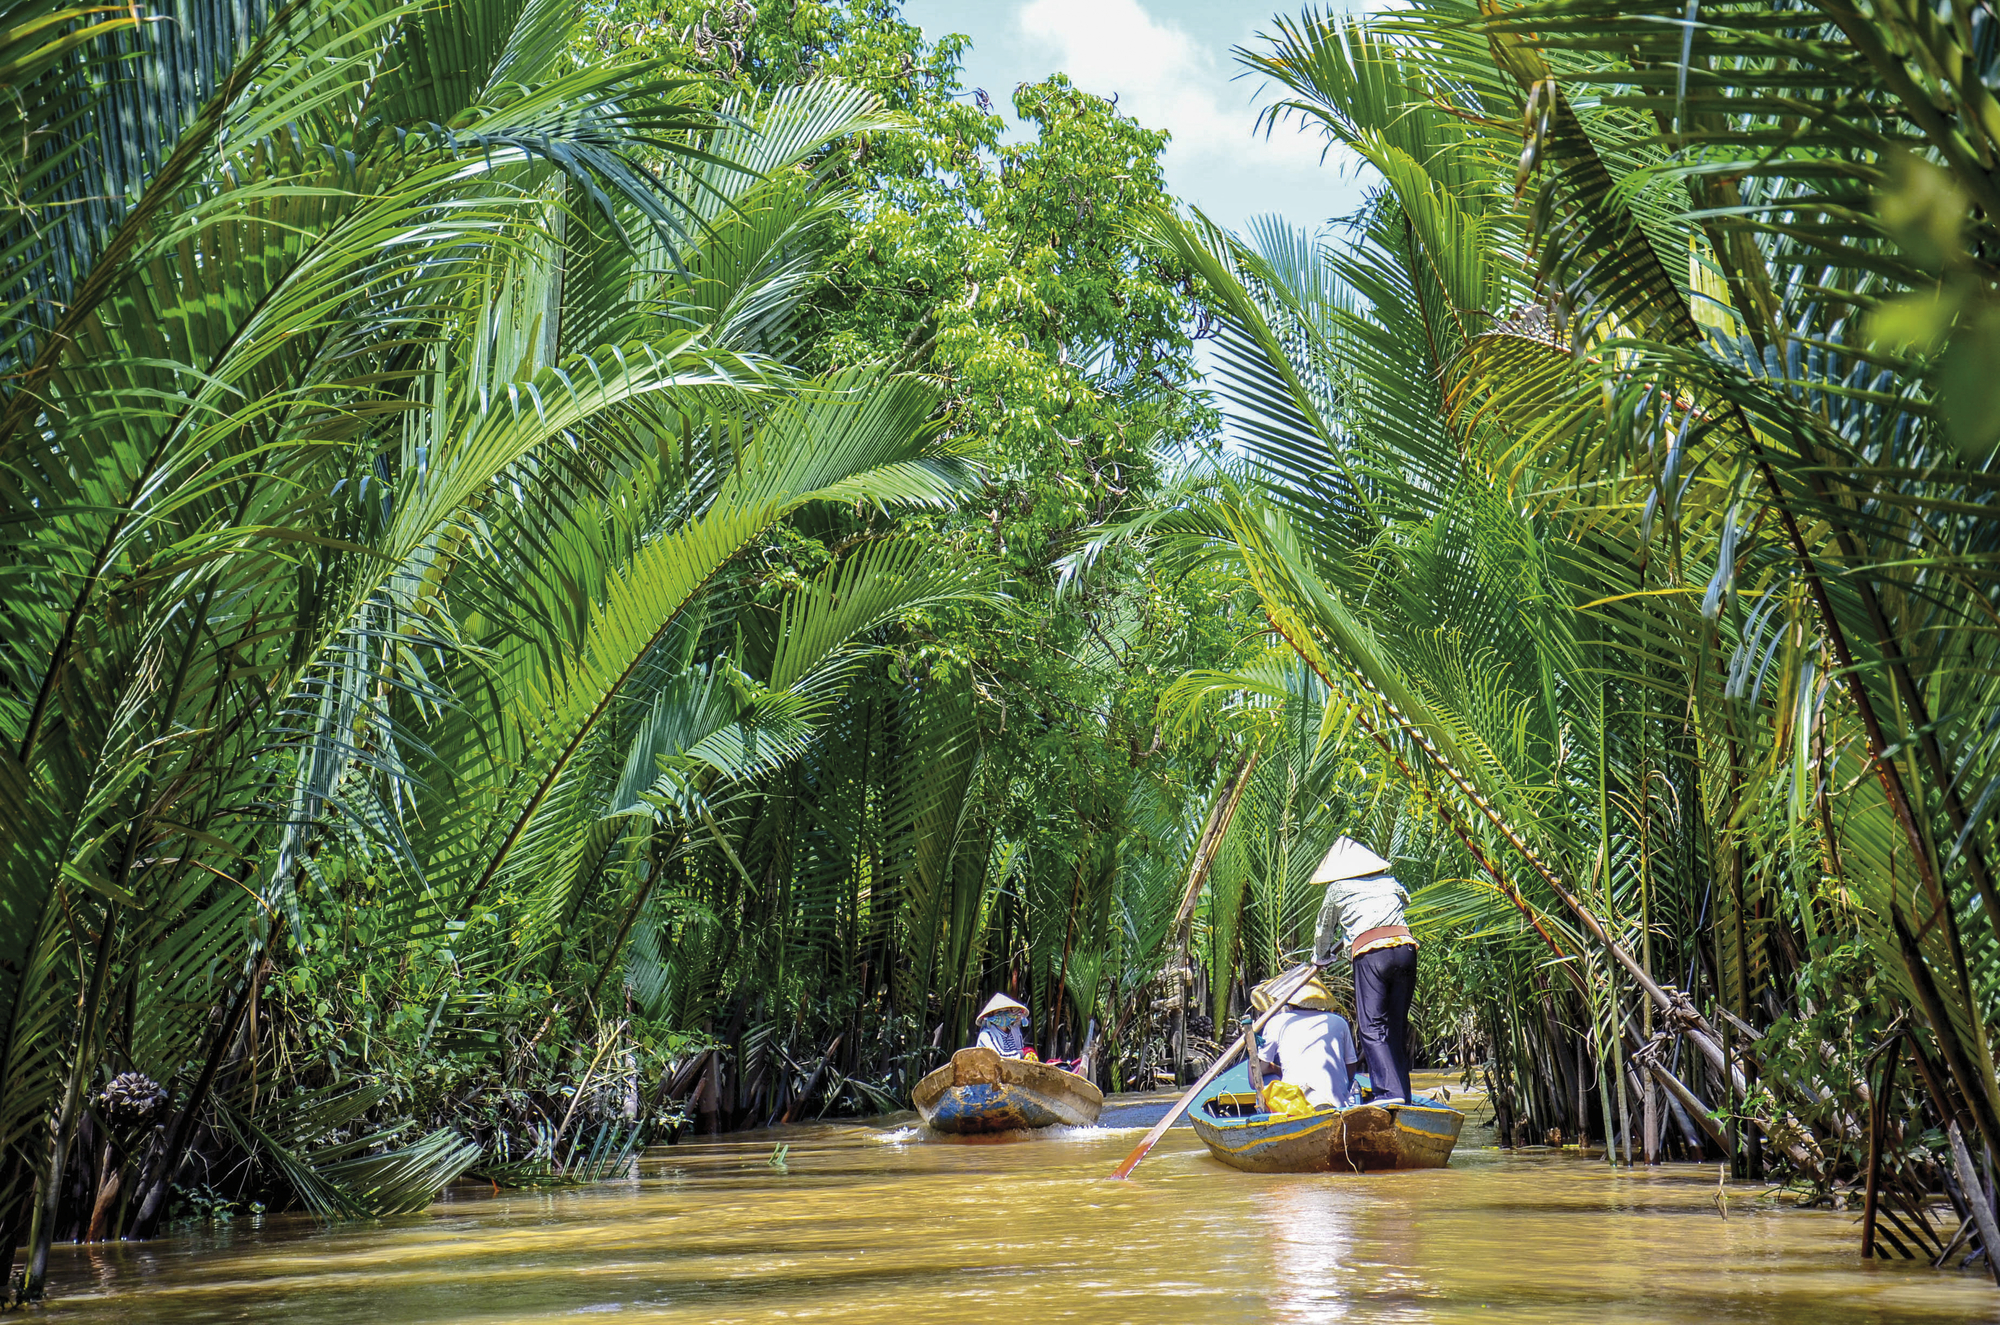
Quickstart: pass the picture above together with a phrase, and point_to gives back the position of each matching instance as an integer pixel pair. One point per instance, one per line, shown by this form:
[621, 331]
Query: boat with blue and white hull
[979, 1091]
[1363, 1139]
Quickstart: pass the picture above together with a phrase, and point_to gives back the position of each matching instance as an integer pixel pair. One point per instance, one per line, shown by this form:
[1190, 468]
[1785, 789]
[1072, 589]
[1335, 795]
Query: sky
[1168, 61]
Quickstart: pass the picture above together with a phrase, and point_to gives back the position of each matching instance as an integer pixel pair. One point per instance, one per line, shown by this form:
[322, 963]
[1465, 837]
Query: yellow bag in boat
[1284, 1099]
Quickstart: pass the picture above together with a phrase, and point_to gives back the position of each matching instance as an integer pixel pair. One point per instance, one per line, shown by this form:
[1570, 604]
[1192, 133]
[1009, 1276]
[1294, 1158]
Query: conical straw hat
[1312, 995]
[1349, 860]
[999, 1003]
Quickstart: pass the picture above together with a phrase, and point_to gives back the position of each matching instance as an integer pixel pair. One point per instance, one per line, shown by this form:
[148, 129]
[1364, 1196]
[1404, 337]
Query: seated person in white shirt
[1308, 1043]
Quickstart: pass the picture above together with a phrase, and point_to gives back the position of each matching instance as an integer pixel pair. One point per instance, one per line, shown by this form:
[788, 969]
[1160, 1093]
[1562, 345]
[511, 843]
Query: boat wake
[1058, 1132]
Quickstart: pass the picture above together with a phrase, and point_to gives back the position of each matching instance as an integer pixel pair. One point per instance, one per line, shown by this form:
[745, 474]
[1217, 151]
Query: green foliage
[535, 608]
[1008, 272]
[581, 570]
[1585, 472]
[369, 479]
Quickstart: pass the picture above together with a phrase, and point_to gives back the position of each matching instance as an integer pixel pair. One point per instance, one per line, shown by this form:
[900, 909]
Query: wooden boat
[1364, 1138]
[980, 1091]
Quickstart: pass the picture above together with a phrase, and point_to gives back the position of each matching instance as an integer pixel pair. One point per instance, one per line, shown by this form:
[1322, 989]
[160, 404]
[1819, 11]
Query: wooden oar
[1215, 1069]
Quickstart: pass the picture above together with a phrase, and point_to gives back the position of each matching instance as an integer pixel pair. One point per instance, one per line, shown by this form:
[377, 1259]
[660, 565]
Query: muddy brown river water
[887, 1224]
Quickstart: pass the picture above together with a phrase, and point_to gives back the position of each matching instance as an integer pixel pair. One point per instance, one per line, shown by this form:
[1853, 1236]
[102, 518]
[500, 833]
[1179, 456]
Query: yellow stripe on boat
[1364, 1138]
[1328, 1121]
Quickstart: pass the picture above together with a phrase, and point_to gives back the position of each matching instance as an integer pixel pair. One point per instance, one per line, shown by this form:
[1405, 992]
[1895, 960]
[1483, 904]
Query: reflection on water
[871, 1224]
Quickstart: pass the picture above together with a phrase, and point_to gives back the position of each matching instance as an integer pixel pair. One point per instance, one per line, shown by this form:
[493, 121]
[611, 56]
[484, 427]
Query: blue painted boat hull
[981, 1092]
[1363, 1139]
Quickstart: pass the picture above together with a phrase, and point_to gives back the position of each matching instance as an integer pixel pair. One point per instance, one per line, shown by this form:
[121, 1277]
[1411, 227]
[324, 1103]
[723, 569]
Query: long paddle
[1215, 1069]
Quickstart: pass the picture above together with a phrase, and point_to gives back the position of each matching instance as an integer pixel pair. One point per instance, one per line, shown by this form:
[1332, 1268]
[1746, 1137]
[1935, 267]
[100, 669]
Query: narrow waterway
[888, 1224]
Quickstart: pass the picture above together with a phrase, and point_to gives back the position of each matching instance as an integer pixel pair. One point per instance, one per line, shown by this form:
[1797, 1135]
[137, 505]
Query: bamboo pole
[1219, 817]
[1206, 846]
[1222, 1060]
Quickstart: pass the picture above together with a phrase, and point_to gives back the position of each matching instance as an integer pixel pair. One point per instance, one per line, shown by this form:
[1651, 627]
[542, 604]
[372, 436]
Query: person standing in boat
[1308, 1042]
[1363, 921]
[1003, 1028]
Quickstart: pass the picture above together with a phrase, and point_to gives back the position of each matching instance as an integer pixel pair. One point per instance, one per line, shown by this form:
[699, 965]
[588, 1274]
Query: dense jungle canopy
[577, 570]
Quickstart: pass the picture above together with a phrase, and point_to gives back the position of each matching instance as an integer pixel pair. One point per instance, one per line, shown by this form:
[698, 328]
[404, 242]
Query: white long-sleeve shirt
[1351, 908]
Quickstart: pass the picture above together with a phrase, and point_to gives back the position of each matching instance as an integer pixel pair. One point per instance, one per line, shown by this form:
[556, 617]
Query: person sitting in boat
[1362, 922]
[1308, 1042]
[1003, 1028]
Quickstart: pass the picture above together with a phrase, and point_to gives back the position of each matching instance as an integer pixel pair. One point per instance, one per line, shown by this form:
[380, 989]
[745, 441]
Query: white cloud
[1168, 81]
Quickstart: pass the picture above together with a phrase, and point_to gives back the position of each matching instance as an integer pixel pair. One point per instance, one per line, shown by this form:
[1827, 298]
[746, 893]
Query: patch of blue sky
[1169, 64]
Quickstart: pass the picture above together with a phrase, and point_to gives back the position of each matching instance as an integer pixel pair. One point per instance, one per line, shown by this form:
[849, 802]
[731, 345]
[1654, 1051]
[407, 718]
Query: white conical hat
[998, 1003]
[1349, 860]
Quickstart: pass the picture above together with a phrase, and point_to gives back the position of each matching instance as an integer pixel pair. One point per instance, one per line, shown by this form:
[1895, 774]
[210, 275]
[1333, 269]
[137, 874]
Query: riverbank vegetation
[1624, 472]
[577, 573]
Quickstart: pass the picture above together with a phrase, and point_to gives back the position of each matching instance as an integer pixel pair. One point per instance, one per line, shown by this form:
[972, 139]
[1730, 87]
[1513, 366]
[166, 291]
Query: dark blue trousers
[1384, 980]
